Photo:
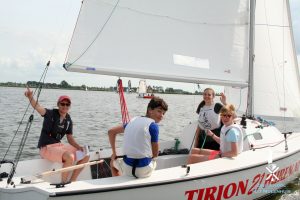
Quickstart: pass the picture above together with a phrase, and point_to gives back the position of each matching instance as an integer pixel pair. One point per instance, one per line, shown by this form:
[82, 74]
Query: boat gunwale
[174, 181]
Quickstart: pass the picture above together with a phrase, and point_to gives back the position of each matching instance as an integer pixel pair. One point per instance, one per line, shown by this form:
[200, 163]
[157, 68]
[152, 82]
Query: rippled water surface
[93, 113]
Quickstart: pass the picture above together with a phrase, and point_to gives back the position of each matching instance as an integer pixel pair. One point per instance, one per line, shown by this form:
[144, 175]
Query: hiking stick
[55, 171]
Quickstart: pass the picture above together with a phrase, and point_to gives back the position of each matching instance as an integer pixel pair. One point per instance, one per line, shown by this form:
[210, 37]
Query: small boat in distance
[143, 90]
[148, 96]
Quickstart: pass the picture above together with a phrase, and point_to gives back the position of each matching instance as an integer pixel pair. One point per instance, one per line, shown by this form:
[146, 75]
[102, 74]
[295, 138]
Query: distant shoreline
[66, 86]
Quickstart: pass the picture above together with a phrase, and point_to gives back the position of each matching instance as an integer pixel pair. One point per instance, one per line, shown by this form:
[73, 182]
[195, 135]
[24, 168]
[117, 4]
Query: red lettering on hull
[242, 187]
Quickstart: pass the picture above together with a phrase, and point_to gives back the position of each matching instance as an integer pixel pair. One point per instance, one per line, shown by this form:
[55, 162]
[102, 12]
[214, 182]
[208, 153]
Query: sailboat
[142, 90]
[129, 89]
[245, 45]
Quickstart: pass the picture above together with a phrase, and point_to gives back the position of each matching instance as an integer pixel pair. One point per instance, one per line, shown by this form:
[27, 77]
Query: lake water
[93, 113]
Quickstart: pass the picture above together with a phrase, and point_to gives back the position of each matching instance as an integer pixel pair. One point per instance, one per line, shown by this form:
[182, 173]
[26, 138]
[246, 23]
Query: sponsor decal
[269, 182]
[272, 168]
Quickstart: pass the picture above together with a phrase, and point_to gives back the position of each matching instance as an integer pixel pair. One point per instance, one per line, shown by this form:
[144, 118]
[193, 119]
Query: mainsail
[197, 41]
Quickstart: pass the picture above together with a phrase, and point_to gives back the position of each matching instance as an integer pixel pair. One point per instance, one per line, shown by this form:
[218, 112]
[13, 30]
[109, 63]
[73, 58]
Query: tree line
[65, 85]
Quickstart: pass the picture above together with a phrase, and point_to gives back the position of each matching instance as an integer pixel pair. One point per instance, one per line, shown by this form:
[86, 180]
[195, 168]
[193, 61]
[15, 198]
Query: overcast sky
[35, 31]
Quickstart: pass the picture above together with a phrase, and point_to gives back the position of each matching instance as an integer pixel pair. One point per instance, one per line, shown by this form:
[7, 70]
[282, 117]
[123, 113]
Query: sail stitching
[178, 19]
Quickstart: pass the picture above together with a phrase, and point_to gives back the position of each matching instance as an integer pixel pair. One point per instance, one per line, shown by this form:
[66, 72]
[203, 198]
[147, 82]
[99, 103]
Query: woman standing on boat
[140, 143]
[57, 123]
[209, 119]
[230, 140]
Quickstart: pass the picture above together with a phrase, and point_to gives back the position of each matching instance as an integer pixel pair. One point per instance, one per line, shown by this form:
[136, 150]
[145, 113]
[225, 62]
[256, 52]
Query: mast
[250, 99]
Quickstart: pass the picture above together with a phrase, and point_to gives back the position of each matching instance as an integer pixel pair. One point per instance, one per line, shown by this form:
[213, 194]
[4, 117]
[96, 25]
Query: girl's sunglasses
[228, 116]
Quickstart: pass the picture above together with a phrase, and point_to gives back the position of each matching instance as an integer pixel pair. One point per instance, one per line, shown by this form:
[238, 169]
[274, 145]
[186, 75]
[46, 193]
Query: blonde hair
[228, 109]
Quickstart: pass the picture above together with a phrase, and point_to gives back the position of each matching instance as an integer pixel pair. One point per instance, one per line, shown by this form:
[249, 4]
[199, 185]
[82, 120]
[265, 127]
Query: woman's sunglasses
[65, 104]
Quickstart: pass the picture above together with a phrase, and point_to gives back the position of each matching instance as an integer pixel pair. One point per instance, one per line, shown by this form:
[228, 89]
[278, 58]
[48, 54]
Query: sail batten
[163, 40]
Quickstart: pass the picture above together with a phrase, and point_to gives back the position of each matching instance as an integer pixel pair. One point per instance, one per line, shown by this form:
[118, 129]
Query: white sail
[142, 87]
[276, 72]
[192, 43]
[163, 40]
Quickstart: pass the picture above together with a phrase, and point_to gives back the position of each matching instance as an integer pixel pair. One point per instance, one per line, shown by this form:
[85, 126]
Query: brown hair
[228, 109]
[156, 102]
[202, 103]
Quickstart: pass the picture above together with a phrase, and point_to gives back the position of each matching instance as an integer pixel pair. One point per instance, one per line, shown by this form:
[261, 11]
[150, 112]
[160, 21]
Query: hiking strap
[134, 164]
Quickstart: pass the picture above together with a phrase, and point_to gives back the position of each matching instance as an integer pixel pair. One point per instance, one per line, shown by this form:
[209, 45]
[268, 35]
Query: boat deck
[177, 174]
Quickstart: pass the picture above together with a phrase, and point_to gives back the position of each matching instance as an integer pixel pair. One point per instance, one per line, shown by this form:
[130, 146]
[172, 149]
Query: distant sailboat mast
[129, 86]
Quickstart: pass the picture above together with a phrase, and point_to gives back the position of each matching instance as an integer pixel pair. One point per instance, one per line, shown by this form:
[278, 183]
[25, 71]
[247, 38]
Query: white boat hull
[243, 177]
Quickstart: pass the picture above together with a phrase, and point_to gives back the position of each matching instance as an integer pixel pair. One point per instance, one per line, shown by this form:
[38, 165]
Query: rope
[204, 140]
[265, 145]
[271, 52]
[124, 111]
[27, 129]
[97, 35]
[283, 70]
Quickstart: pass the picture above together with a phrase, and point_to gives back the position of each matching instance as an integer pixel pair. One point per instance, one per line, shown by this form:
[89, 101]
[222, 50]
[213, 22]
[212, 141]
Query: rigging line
[240, 102]
[191, 146]
[283, 69]
[271, 52]
[275, 143]
[194, 99]
[247, 106]
[107, 173]
[194, 103]
[73, 33]
[27, 129]
[27, 108]
[98, 34]
[20, 149]
[62, 26]
[186, 161]
[267, 145]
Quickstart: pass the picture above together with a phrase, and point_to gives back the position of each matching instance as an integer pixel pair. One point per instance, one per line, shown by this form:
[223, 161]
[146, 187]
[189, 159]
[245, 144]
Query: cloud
[28, 41]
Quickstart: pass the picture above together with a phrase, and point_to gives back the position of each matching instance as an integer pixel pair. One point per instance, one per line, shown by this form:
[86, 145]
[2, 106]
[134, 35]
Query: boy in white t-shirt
[140, 143]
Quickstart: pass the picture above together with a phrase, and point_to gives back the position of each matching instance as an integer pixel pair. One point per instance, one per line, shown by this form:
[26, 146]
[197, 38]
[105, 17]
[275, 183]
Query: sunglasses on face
[65, 104]
[227, 116]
